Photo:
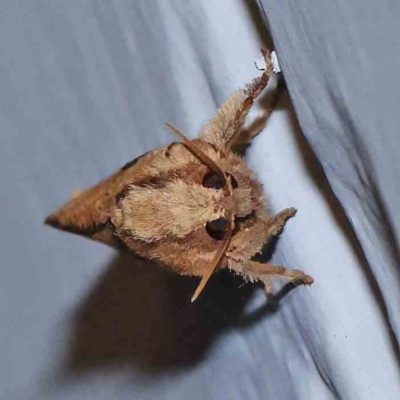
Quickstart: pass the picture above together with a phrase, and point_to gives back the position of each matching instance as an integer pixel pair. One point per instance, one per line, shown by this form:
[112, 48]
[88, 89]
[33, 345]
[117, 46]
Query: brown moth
[194, 205]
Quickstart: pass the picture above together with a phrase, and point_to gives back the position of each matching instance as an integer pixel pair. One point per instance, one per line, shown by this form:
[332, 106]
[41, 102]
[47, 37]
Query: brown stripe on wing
[88, 213]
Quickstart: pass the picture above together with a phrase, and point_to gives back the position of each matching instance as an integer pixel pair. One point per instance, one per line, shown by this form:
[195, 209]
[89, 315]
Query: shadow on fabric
[140, 314]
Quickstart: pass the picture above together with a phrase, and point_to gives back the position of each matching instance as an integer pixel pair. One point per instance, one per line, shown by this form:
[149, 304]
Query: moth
[193, 205]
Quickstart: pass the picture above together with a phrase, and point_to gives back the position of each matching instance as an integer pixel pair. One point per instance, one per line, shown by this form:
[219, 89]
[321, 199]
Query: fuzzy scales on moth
[193, 205]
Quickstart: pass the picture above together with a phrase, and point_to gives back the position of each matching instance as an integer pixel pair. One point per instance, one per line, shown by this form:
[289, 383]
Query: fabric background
[86, 86]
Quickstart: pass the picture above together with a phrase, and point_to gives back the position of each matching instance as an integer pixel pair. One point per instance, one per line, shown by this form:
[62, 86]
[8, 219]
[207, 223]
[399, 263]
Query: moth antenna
[197, 152]
[214, 263]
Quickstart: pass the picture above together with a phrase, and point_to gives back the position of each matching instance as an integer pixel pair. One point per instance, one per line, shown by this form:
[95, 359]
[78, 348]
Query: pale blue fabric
[341, 61]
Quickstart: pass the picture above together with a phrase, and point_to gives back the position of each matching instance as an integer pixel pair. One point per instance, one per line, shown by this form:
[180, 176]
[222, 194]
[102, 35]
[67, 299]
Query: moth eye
[217, 228]
[212, 181]
[233, 180]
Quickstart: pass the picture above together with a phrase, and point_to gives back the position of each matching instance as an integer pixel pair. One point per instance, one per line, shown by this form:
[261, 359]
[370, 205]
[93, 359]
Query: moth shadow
[139, 314]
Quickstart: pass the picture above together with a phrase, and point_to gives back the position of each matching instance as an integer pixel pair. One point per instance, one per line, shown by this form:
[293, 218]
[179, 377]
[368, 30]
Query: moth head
[222, 227]
[216, 178]
[175, 204]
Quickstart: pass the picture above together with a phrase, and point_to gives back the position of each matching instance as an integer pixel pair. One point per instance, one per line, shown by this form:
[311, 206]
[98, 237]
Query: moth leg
[257, 233]
[277, 223]
[248, 133]
[249, 241]
[224, 128]
[259, 271]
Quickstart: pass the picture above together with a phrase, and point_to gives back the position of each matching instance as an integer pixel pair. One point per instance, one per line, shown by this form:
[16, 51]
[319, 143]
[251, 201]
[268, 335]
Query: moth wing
[88, 212]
